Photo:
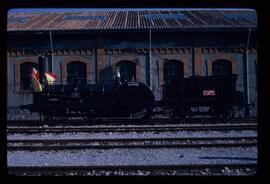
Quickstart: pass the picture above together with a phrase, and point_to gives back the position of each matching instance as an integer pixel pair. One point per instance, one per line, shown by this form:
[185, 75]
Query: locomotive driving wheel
[144, 113]
[51, 118]
[60, 118]
[46, 117]
[55, 115]
[88, 115]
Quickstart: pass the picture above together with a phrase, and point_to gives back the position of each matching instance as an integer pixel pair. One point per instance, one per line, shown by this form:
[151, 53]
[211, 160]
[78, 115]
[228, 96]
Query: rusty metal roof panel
[127, 19]
[132, 20]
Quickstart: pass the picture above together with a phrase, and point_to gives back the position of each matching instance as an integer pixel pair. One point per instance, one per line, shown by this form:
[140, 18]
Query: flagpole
[247, 46]
[150, 59]
[51, 49]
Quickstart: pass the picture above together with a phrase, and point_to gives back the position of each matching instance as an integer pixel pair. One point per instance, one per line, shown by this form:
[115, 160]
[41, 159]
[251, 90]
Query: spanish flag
[35, 80]
[36, 84]
[50, 78]
[35, 73]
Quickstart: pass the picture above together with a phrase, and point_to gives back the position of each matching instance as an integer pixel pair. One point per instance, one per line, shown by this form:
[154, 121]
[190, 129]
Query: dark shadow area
[230, 158]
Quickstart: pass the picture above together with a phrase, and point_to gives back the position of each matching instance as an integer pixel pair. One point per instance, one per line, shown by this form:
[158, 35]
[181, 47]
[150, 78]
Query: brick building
[153, 46]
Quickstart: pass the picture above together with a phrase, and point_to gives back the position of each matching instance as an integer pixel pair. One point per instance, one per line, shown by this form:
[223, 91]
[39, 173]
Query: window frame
[219, 65]
[129, 65]
[21, 81]
[71, 64]
[173, 66]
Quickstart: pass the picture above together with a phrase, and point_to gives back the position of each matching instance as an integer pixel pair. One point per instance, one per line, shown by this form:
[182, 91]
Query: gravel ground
[136, 156]
[126, 156]
[21, 114]
[112, 135]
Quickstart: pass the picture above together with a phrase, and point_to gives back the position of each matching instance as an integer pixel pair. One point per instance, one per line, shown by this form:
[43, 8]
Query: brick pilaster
[198, 61]
[100, 60]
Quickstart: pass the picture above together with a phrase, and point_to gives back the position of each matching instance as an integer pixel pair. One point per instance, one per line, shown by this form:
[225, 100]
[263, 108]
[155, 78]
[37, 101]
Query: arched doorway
[25, 75]
[126, 71]
[222, 67]
[76, 71]
[173, 70]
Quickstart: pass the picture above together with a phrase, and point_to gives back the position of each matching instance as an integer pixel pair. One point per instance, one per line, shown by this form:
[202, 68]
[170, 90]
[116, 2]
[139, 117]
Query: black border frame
[263, 91]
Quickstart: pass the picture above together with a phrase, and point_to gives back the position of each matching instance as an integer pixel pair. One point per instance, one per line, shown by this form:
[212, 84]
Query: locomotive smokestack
[41, 67]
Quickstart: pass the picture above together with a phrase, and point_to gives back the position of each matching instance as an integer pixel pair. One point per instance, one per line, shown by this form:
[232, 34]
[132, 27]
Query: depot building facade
[152, 46]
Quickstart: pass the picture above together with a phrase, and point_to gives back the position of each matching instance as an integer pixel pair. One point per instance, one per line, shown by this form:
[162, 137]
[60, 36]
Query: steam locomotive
[214, 96]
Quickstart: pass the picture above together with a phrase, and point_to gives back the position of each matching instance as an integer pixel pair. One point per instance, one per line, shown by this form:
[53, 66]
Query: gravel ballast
[136, 156]
[112, 135]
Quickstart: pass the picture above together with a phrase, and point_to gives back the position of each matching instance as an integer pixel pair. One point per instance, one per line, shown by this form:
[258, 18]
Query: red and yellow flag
[36, 84]
[50, 78]
[35, 80]
[35, 73]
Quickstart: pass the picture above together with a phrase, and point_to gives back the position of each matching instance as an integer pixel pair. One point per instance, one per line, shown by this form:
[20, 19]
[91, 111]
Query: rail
[124, 121]
[67, 144]
[190, 169]
[138, 128]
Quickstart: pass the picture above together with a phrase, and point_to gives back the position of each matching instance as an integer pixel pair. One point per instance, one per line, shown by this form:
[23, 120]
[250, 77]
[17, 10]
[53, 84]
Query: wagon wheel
[215, 112]
[228, 113]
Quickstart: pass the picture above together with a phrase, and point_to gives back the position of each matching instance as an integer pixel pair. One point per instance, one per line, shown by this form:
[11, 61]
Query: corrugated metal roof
[125, 20]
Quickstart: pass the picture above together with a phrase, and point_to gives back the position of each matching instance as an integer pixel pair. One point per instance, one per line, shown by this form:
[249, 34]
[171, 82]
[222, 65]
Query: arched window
[126, 71]
[76, 71]
[222, 67]
[173, 70]
[25, 75]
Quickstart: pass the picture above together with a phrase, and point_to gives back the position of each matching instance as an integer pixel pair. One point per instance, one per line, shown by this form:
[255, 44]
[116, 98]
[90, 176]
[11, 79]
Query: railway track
[125, 121]
[133, 128]
[198, 169]
[67, 144]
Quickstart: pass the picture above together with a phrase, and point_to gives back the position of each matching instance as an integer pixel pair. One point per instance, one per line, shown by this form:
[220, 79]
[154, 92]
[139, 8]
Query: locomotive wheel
[215, 112]
[175, 115]
[47, 118]
[180, 113]
[228, 113]
[60, 114]
[50, 118]
[187, 113]
[143, 114]
[56, 115]
[60, 118]
[222, 112]
[147, 114]
[88, 115]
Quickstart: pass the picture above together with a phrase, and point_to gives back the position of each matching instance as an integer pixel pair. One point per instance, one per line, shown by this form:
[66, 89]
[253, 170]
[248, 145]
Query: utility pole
[50, 67]
[150, 59]
[246, 75]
